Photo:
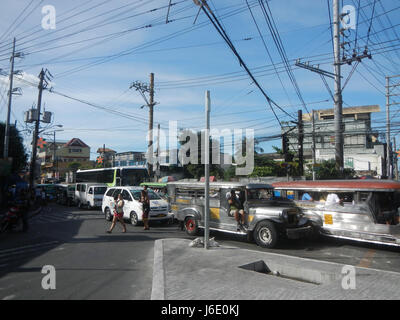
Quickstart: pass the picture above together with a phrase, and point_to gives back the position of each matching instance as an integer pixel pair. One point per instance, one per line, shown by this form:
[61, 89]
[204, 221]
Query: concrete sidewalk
[184, 273]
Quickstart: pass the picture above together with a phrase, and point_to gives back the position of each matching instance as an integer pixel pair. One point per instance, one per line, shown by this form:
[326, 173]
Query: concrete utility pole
[10, 93]
[36, 132]
[313, 145]
[207, 173]
[339, 159]
[143, 88]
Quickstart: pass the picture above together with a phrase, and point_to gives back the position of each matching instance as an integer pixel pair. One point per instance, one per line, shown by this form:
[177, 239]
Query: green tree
[327, 170]
[74, 166]
[16, 149]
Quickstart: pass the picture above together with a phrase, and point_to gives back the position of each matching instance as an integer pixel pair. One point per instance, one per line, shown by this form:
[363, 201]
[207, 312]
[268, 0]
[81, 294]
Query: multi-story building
[362, 150]
[55, 158]
[130, 158]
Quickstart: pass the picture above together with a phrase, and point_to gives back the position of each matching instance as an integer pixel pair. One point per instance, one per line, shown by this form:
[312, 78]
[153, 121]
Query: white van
[159, 208]
[89, 195]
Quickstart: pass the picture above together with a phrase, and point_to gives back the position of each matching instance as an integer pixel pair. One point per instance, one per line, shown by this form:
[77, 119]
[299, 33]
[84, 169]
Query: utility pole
[104, 155]
[54, 155]
[389, 103]
[338, 89]
[144, 88]
[300, 140]
[313, 145]
[36, 132]
[10, 93]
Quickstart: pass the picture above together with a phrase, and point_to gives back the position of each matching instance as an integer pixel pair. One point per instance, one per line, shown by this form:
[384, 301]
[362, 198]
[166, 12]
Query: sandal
[108, 231]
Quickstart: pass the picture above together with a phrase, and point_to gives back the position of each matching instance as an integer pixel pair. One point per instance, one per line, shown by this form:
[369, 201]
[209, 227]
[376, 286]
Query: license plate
[328, 219]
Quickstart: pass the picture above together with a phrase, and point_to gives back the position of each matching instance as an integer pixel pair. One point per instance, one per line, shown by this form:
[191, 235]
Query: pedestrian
[118, 213]
[144, 199]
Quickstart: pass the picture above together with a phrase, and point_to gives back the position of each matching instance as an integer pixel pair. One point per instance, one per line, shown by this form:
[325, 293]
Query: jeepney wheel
[108, 215]
[134, 219]
[266, 235]
[191, 226]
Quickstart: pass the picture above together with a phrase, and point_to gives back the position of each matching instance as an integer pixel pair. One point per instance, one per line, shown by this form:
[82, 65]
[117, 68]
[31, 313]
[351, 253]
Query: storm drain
[295, 273]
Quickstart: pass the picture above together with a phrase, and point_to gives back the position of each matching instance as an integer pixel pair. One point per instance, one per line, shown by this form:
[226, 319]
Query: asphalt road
[91, 264]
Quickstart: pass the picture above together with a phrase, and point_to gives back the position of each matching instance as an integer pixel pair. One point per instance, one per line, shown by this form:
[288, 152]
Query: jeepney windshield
[260, 194]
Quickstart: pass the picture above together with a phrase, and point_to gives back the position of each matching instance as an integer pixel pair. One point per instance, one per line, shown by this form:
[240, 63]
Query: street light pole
[207, 173]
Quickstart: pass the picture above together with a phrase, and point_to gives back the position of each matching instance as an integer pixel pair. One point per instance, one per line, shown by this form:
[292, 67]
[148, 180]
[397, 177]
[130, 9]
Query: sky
[99, 48]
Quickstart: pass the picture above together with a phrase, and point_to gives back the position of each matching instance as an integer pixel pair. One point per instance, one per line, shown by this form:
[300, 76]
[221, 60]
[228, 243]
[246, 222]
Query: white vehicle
[89, 195]
[133, 209]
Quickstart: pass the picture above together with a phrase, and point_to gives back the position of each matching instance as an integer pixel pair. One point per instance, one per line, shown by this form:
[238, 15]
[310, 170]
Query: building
[362, 150]
[107, 156]
[130, 158]
[56, 157]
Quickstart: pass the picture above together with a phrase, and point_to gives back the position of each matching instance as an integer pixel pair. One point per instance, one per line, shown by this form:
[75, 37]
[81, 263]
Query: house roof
[106, 150]
[349, 110]
[76, 142]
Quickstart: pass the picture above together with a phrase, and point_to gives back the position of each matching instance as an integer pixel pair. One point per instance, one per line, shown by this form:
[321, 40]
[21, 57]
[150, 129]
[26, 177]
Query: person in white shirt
[332, 199]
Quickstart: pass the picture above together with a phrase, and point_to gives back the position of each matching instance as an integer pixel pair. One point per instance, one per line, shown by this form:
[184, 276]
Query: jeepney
[267, 220]
[367, 210]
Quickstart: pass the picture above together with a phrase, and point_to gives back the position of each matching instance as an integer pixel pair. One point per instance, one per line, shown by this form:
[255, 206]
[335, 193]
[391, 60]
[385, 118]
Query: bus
[115, 176]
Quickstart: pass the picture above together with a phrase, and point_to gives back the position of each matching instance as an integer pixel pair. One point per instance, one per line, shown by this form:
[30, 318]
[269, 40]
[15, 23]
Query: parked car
[89, 195]
[133, 210]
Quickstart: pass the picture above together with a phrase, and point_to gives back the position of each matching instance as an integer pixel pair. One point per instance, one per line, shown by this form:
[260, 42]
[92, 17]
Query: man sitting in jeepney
[332, 199]
[236, 209]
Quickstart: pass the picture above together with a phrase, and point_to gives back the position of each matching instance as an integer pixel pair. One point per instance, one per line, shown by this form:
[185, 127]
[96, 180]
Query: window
[116, 193]
[78, 187]
[91, 191]
[110, 192]
[83, 187]
[126, 196]
[100, 190]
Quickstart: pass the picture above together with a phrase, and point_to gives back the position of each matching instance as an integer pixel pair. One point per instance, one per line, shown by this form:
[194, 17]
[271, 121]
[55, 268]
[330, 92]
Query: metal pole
[158, 152]
[151, 106]
[54, 155]
[338, 89]
[313, 145]
[387, 130]
[36, 133]
[300, 140]
[7, 129]
[207, 173]
[395, 160]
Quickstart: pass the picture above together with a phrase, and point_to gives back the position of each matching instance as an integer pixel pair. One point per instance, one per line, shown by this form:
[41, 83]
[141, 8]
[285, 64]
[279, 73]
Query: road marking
[367, 258]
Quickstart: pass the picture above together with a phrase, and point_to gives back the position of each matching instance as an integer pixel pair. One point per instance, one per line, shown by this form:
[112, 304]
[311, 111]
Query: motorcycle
[14, 219]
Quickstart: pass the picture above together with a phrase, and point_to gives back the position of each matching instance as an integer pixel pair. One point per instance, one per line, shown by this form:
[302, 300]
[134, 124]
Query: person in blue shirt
[306, 197]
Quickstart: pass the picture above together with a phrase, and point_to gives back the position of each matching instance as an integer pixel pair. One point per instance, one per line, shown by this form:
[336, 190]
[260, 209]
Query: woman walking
[118, 213]
[144, 199]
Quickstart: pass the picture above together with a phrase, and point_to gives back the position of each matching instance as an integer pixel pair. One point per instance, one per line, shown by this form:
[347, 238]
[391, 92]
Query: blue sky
[83, 55]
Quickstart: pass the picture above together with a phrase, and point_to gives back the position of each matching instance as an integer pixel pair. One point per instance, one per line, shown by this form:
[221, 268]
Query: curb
[158, 287]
